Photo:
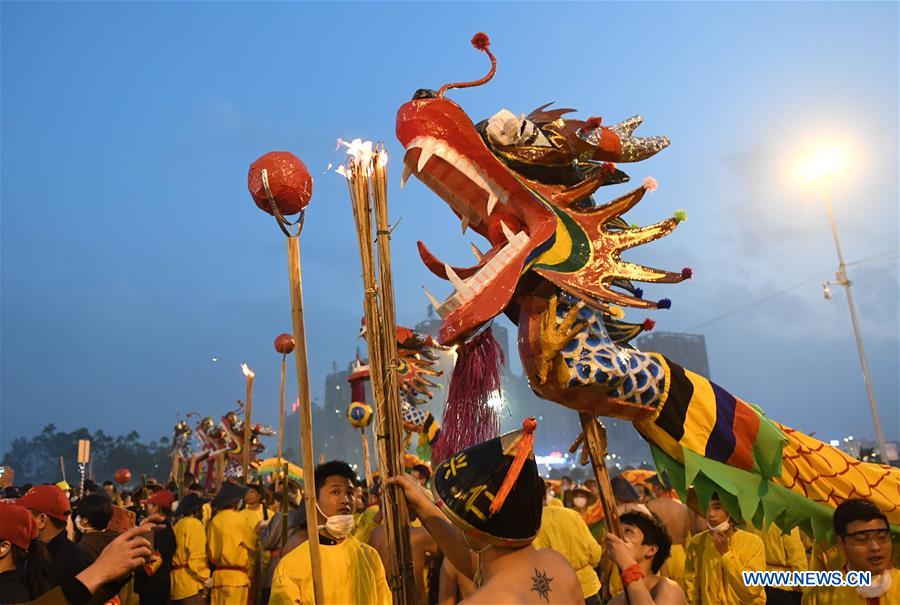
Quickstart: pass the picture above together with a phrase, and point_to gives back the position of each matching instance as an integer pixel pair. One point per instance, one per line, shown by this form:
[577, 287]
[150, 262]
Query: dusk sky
[132, 253]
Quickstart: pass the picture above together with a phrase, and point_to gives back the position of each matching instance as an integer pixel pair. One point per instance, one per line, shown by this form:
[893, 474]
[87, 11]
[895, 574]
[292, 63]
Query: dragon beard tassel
[468, 417]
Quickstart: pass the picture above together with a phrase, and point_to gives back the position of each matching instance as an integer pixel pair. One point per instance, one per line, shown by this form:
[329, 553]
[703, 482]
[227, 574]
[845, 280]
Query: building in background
[687, 350]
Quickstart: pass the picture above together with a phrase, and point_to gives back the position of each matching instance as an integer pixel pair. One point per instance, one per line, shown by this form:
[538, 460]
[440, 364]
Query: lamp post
[818, 168]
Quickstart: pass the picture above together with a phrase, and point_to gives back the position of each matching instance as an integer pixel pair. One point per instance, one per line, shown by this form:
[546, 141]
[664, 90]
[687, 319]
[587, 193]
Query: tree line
[37, 459]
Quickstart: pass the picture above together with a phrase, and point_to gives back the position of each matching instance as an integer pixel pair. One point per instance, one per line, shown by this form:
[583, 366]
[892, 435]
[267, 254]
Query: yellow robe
[784, 552]
[563, 530]
[711, 578]
[253, 517]
[674, 566]
[352, 572]
[190, 550]
[229, 544]
[847, 595]
[365, 524]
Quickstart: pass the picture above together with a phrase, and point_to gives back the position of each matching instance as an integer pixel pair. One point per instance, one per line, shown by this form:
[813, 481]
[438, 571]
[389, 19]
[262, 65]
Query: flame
[247, 371]
[363, 155]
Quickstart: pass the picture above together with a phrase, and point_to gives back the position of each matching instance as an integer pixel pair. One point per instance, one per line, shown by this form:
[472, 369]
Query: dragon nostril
[424, 93]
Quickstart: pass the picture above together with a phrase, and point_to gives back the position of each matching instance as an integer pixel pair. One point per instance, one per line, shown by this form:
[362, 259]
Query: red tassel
[481, 41]
[468, 418]
[523, 447]
[687, 273]
[649, 324]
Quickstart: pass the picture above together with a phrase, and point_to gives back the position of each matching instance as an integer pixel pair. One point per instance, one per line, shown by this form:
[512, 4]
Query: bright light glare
[823, 164]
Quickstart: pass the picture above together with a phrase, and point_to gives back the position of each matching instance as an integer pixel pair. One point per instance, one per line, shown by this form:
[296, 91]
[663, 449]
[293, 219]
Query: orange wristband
[632, 573]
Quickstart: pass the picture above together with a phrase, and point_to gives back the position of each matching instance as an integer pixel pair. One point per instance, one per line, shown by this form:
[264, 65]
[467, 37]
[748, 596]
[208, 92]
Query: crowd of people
[538, 542]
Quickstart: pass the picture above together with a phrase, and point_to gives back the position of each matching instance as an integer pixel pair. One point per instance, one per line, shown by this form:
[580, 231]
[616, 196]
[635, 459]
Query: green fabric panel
[767, 447]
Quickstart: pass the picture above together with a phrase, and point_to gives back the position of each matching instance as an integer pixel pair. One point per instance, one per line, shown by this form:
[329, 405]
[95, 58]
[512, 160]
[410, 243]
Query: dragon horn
[635, 149]
[481, 42]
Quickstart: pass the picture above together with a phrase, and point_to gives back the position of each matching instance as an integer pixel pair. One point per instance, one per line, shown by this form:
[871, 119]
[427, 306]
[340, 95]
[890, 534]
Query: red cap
[47, 499]
[17, 525]
[163, 498]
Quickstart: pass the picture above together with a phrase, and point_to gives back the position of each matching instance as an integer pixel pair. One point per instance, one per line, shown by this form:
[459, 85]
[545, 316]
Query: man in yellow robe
[863, 535]
[784, 552]
[352, 572]
[229, 544]
[716, 559]
[190, 573]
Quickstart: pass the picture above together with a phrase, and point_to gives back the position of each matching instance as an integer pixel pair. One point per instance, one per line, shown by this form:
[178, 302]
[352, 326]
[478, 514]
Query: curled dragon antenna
[481, 42]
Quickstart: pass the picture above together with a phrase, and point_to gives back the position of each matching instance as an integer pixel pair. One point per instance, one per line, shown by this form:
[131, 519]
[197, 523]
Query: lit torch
[248, 411]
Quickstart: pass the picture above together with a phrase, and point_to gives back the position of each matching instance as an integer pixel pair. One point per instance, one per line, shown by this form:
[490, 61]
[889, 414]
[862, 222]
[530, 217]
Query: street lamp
[819, 168]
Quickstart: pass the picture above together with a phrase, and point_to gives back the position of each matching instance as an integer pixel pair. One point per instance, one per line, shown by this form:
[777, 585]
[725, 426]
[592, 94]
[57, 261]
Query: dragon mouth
[446, 153]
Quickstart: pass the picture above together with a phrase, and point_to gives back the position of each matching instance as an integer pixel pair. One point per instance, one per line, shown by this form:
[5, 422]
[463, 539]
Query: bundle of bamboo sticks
[366, 174]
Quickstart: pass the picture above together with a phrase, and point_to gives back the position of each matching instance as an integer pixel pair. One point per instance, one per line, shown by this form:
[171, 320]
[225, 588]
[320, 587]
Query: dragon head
[525, 184]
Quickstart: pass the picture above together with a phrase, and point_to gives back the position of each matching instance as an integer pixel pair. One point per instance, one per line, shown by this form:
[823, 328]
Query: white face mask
[880, 585]
[579, 501]
[723, 526]
[338, 526]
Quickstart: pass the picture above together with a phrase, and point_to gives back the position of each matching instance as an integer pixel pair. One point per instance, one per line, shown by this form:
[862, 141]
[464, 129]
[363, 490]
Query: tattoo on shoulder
[540, 584]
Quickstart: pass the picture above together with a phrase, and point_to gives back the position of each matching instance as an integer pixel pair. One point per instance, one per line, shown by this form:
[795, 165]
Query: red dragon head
[525, 184]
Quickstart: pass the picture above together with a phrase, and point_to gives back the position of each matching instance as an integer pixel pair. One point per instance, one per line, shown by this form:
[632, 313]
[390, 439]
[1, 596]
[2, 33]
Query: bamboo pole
[367, 180]
[62, 468]
[304, 412]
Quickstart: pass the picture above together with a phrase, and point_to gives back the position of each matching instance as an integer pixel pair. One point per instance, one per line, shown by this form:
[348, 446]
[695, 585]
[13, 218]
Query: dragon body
[527, 184]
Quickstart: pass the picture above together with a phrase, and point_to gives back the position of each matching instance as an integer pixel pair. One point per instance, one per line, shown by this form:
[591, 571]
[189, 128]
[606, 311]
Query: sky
[131, 253]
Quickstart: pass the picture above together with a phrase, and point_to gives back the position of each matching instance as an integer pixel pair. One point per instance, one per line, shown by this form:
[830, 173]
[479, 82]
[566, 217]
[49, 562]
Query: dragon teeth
[510, 236]
[407, 171]
[478, 253]
[427, 150]
[455, 279]
[492, 202]
[465, 223]
[431, 298]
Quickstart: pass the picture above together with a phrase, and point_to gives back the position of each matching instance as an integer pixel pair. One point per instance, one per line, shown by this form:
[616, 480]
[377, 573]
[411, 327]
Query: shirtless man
[454, 587]
[679, 521]
[422, 545]
[639, 558]
[494, 546]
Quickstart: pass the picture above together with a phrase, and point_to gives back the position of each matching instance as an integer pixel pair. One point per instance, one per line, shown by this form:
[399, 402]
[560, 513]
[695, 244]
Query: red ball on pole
[289, 182]
[123, 476]
[284, 344]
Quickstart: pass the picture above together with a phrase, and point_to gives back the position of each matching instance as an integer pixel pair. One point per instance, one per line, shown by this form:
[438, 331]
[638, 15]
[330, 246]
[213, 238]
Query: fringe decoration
[468, 418]
[523, 446]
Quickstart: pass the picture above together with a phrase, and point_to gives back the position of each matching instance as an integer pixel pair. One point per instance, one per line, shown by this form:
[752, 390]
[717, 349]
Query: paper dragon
[221, 446]
[526, 184]
[418, 358]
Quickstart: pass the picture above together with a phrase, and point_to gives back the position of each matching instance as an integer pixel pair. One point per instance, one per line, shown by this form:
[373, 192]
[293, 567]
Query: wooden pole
[281, 409]
[248, 421]
[62, 468]
[367, 461]
[284, 507]
[304, 411]
[595, 442]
